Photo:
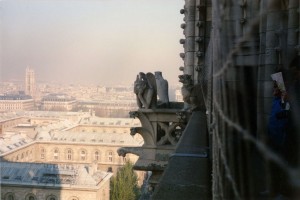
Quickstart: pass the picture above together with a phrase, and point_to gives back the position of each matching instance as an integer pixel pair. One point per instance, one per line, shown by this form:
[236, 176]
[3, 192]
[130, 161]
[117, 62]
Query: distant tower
[30, 82]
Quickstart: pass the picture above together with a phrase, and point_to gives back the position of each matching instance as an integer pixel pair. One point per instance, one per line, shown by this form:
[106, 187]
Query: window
[43, 151]
[56, 154]
[9, 196]
[30, 197]
[110, 156]
[69, 154]
[109, 169]
[83, 155]
[73, 198]
[97, 156]
[51, 197]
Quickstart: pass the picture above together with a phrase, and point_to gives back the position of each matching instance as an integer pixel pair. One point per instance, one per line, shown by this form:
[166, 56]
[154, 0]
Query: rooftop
[45, 114]
[10, 141]
[119, 122]
[115, 130]
[90, 137]
[15, 97]
[37, 174]
[58, 96]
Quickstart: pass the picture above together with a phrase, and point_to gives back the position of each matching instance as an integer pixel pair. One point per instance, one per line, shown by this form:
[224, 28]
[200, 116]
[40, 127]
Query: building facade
[76, 149]
[58, 102]
[87, 141]
[16, 103]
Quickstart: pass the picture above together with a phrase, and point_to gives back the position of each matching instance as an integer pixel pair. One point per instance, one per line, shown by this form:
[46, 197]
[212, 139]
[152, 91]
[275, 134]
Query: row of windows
[11, 196]
[104, 131]
[24, 156]
[10, 106]
[69, 155]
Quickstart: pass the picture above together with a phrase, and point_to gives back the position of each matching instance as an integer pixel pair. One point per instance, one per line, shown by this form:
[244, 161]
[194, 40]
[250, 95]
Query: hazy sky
[90, 41]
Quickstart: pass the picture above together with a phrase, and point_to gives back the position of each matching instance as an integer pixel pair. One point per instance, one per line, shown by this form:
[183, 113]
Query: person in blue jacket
[278, 121]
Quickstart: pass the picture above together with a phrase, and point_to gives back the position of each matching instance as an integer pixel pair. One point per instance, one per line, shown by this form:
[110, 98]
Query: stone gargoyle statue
[192, 93]
[162, 89]
[145, 90]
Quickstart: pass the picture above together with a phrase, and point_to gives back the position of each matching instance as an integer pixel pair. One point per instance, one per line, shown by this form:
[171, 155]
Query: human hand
[284, 96]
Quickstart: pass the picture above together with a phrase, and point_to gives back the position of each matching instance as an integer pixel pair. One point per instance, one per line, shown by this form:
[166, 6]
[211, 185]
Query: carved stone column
[189, 32]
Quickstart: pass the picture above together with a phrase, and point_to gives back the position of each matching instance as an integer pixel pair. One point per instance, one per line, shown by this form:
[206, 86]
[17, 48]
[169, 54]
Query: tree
[124, 185]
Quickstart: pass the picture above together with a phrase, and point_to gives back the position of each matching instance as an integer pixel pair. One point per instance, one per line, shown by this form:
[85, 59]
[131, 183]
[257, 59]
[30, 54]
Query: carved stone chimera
[161, 128]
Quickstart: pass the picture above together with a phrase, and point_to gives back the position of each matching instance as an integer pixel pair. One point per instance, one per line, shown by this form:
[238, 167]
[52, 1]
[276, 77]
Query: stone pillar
[189, 32]
[298, 30]
[200, 16]
[293, 32]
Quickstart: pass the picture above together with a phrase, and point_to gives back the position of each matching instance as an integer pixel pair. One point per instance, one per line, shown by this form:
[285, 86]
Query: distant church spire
[30, 82]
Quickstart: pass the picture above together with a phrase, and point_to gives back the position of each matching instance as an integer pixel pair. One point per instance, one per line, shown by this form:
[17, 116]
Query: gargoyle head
[133, 131]
[186, 79]
[133, 114]
[121, 152]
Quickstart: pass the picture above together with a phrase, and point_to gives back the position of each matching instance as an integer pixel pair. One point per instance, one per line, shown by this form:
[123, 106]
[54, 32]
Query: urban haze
[96, 41]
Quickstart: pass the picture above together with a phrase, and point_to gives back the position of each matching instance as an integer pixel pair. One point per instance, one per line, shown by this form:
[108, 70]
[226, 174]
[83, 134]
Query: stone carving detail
[133, 114]
[147, 136]
[133, 150]
[161, 125]
[162, 89]
[171, 134]
[192, 94]
[145, 90]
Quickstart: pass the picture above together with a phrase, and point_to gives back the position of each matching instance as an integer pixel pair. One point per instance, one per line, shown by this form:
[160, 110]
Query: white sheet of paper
[279, 79]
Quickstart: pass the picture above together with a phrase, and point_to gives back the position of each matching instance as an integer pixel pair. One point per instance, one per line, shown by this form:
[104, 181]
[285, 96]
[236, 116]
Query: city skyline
[100, 42]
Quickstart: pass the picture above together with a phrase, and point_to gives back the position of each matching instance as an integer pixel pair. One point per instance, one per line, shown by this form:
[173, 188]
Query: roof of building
[57, 131]
[90, 137]
[46, 114]
[9, 115]
[10, 141]
[119, 122]
[57, 125]
[15, 97]
[58, 97]
[51, 175]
